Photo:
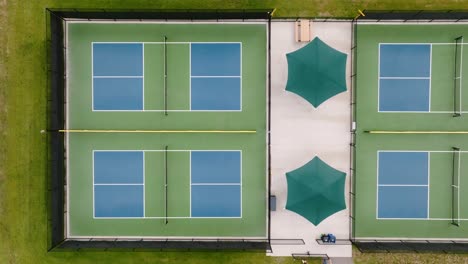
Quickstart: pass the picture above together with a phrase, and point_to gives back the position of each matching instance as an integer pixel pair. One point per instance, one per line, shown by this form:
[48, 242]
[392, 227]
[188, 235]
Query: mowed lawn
[23, 105]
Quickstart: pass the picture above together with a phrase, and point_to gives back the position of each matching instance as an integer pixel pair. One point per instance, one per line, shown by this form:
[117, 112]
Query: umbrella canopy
[316, 191]
[316, 72]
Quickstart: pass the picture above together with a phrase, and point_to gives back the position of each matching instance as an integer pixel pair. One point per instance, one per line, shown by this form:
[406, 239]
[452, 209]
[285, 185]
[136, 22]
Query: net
[457, 79]
[165, 183]
[165, 75]
[456, 187]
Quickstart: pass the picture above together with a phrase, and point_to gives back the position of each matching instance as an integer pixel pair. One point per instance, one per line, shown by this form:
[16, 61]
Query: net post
[456, 186]
[165, 183]
[457, 79]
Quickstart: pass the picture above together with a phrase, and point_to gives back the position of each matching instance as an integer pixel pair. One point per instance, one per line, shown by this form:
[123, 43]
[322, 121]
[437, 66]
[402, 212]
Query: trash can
[272, 203]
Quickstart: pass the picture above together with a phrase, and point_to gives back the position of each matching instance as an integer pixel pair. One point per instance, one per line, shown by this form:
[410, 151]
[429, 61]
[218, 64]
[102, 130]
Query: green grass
[413, 258]
[23, 99]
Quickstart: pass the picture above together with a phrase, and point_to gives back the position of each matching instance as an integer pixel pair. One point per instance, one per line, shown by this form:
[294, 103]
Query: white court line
[169, 150]
[94, 202]
[190, 187]
[162, 42]
[144, 180]
[241, 207]
[190, 82]
[423, 219]
[427, 43]
[159, 238]
[404, 185]
[430, 151]
[171, 217]
[190, 175]
[214, 76]
[430, 75]
[241, 70]
[116, 77]
[121, 184]
[461, 75]
[92, 74]
[405, 78]
[143, 73]
[67, 125]
[428, 182]
[378, 79]
[377, 189]
[216, 183]
[422, 112]
[169, 110]
[458, 191]
[165, 75]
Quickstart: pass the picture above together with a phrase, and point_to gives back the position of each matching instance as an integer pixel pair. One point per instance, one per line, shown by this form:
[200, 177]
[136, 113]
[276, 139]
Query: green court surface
[439, 117]
[252, 117]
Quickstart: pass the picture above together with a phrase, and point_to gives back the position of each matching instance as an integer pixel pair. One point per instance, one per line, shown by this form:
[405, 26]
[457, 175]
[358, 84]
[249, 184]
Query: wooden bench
[302, 30]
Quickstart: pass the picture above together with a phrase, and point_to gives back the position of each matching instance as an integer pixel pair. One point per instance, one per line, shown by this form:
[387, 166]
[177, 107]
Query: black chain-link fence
[447, 246]
[411, 15]
[56, 68]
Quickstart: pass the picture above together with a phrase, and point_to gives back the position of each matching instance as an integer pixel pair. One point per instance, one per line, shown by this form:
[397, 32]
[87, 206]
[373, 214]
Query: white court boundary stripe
[422, 43]
[190, 84]
[143, 77]
[67, 137]
[217, 184]
[428, 183]
[378, 79]
[169, 110]
[405, 78]
[190, 194]
[119, 184]
[430, 151]
[430, 77]
[117, 76]
[189, 43]
[377, 189]
[168, 42]
[461, 75]
[214, 76]
[404, 185]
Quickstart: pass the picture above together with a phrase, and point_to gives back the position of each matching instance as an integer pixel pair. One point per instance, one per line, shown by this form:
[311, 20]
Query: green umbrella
[316, 72]
[316, 191]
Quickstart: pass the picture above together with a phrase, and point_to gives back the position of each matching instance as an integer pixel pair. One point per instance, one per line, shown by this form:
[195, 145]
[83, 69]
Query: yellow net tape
[158, 131]
[414, 132]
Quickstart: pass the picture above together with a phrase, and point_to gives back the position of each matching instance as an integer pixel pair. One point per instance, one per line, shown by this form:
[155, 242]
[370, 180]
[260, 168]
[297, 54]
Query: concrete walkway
[299, 132]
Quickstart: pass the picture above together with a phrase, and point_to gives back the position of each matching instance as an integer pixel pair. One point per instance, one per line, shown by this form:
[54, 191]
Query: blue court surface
[402, 185]
[404, 77]
[119, 184]
[215, 77]
[216, 183]
[118, 76]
